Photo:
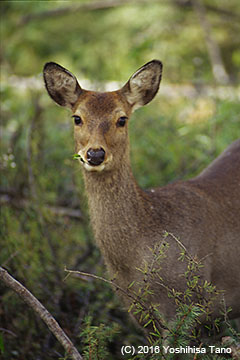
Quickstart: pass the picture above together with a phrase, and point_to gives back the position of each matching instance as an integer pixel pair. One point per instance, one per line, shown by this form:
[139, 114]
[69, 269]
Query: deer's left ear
[143, 84]
[61, 85]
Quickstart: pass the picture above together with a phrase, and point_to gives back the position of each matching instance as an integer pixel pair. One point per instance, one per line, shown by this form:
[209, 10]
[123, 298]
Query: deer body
[204, 212]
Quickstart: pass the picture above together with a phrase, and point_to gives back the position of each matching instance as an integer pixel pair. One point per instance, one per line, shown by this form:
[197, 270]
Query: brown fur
[204, 212]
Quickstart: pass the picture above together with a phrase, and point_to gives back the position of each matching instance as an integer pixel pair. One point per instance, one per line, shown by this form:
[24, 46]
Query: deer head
[101, 119]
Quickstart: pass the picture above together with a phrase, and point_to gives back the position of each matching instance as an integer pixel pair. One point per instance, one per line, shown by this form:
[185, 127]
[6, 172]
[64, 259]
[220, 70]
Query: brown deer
[128, 222]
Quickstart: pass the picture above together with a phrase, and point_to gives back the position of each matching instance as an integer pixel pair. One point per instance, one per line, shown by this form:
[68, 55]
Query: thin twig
[135, 299]
[76, 272]
[10, 258]
[44, 314]
[182, 246]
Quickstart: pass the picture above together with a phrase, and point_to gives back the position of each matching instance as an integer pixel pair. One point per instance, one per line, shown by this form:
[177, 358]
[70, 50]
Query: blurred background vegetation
[44, 222]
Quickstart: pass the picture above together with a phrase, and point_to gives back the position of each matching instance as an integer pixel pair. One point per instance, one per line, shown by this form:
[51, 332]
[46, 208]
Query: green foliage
[174, 138]
[160, 136]
[32, 34]
[96, 339]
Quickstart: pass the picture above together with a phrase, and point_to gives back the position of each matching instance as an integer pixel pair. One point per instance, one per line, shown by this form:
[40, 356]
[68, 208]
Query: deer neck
[118, 209]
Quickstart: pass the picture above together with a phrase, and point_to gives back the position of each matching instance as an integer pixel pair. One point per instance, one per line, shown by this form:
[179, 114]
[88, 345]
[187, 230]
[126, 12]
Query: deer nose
[95, 156]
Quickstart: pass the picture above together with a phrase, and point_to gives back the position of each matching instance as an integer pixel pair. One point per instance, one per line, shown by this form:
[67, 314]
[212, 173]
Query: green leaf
[132, 283]
[76, 156]
[145, 325]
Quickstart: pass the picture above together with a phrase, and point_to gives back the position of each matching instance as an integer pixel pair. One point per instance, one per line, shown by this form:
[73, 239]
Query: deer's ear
[143, 84]
[61, 85]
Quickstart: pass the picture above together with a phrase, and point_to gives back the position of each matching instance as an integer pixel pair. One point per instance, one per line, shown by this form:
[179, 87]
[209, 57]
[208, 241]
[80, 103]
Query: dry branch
[85, 6]
[19, 203]
[38, 308]
[108, 4]
[219, 72]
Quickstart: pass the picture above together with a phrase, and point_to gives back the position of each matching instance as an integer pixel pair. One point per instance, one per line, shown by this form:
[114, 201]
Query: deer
[128, 222]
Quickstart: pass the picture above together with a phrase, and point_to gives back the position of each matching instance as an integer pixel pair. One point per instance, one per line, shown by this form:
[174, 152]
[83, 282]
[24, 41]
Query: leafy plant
[97, 338]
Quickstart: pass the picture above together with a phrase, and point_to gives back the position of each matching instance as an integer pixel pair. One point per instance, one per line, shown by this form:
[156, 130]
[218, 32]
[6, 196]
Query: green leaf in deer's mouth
[76, 156]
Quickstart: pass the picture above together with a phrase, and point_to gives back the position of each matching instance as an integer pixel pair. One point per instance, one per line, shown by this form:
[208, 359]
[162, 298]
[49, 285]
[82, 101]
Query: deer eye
[121, 121]
[77, 119]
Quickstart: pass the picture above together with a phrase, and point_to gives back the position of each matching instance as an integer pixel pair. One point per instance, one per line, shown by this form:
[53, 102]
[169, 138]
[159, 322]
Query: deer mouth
[96, 168]
[91, 166]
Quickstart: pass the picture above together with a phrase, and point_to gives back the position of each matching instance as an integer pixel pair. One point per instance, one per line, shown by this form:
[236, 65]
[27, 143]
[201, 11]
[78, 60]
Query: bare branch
[219, 72]
[84, 274]
[85, 6]
[6, 199]
[108, 4]
[44, 314]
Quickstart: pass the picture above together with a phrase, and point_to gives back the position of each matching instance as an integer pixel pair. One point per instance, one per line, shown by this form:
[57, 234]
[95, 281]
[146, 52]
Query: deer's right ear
[61, 85]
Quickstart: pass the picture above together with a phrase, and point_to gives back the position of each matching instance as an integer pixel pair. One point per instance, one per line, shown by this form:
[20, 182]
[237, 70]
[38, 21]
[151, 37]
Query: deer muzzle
[95, 157]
